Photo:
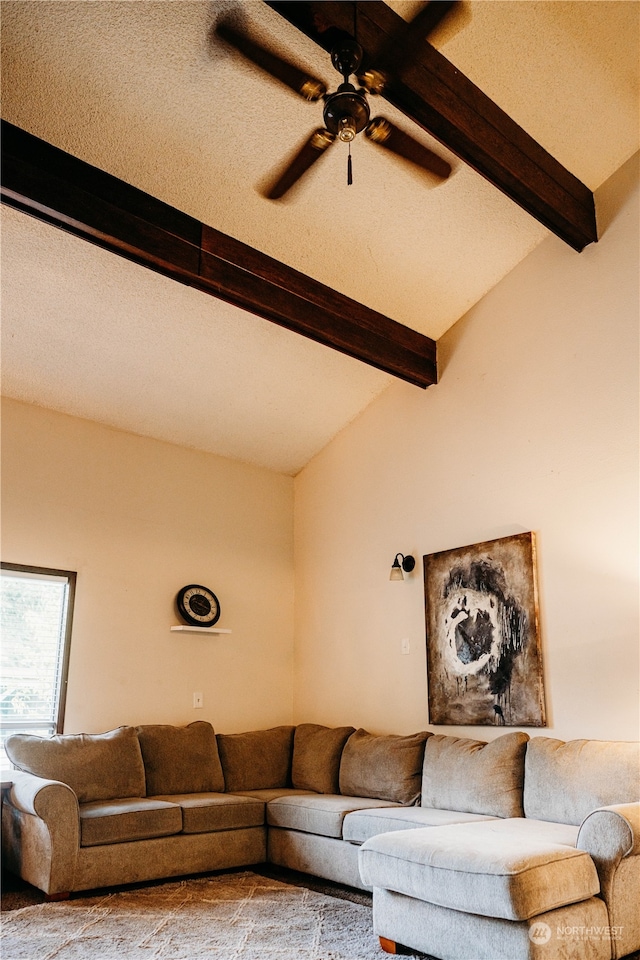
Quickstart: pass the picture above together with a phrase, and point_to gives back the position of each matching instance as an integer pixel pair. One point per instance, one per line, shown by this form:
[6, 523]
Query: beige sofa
[133, 804]
[560, 881]
[472, 849]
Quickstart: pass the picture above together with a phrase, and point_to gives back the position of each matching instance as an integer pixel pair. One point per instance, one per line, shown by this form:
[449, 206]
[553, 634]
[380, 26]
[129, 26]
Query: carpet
[242, 916]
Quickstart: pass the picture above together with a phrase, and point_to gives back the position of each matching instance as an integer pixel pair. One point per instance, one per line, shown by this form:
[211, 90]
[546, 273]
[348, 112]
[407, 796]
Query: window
[36, 607]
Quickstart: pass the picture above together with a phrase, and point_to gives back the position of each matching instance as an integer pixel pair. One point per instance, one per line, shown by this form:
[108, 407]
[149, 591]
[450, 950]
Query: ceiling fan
[346, 111]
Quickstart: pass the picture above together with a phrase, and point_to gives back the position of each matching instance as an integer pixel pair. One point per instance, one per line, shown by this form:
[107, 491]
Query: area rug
[242, 916]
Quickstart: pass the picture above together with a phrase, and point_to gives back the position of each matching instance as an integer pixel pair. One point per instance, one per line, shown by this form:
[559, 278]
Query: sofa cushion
[322, 814]
[118, 821]
[100, 766]
[209, 812]
[363, 824]
[539, 831]
[258, 759]
[566, 781]
[482, 868]
[474, 776]
[383, 767]
[181, 759]
[317, 751]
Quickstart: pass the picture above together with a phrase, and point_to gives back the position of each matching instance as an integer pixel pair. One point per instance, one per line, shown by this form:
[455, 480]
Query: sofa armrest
[611, 835]
[41, 832]
[47, 799]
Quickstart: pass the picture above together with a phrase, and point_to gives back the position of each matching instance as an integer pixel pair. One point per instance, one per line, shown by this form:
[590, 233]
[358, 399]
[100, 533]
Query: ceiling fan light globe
[347, 129]
[349, 105]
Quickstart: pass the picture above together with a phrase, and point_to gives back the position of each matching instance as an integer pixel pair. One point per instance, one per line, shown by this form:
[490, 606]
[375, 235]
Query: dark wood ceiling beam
[433, 93]
[62, 190]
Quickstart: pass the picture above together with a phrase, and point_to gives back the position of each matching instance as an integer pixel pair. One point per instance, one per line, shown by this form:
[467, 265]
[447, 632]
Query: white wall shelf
[187, 629]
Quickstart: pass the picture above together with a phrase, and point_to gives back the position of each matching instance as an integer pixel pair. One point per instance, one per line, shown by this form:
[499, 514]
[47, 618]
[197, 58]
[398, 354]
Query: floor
[16, 893]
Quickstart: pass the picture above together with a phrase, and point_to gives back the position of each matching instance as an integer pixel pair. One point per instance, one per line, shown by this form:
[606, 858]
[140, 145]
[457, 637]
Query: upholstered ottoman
[498, 889]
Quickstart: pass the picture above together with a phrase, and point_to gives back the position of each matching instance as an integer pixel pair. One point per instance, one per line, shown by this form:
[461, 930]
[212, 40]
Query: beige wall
[138, 519]
[534, 426]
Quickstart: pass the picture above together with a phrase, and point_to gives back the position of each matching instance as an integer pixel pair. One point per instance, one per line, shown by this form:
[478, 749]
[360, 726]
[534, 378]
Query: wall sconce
[399, 564]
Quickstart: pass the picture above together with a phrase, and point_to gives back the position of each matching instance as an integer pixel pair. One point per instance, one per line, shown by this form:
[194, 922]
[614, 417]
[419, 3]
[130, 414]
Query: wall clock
[198, 605]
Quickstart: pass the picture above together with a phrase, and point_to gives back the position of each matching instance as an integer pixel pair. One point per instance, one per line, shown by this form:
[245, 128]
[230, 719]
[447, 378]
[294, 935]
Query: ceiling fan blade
[311, 150]
[301, 82]
[386, 134]
[430, 17]
[402, 46]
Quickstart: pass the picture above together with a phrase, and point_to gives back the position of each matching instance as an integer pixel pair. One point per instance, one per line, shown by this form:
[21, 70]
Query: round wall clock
[198, 605]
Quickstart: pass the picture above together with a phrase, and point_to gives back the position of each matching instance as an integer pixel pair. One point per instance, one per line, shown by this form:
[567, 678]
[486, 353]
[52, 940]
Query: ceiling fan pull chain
[349, 169]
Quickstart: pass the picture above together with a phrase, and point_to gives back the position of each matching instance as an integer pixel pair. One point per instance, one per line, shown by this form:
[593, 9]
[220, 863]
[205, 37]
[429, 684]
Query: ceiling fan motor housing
[346, 56]
[346, 112]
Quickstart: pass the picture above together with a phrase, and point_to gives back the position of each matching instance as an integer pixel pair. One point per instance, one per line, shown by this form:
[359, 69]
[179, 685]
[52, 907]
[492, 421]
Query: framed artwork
[484, 664]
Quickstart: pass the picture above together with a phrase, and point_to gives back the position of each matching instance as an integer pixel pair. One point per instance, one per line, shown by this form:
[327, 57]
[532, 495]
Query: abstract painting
[484, 664]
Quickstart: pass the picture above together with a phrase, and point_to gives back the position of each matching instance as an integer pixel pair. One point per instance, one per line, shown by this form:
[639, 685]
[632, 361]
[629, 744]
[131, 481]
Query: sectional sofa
[501, 850]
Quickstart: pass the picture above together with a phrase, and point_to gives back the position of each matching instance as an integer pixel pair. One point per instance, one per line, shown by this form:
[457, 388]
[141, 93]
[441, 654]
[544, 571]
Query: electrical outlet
[198, 701]
[405, 645]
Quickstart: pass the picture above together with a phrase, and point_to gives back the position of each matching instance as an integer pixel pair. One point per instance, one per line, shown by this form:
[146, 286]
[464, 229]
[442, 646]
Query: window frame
[70, 576]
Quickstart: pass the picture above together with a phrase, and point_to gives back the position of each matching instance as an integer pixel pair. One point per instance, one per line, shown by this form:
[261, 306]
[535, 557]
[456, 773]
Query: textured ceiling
[141, 90]
[122, 345]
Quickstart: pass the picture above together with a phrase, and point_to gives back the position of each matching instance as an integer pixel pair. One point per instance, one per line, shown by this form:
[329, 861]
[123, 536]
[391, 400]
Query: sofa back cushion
[317, 752]
[564, 782]
[180, 759]
[473, 776]
[100, 766]
[385, 767]
[257, 760]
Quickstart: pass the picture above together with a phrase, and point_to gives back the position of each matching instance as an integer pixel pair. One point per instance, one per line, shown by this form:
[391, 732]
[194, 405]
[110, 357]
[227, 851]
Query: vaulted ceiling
[145, 92]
